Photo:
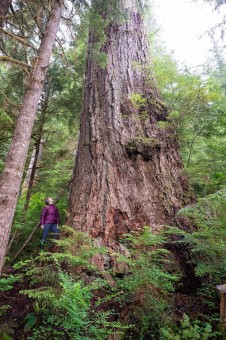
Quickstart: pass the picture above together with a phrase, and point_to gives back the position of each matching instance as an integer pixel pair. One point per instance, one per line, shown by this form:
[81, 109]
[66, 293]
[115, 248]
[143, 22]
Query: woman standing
[49, 220]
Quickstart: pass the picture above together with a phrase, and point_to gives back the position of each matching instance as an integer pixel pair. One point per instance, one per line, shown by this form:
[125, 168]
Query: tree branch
[19, 63]
[17, 38]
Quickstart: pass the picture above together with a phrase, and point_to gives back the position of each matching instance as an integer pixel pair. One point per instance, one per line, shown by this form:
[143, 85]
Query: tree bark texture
[128, 173]
[10, 180]
[4, 8]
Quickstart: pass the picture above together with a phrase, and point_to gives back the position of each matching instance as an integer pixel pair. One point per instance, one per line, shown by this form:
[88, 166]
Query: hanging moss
[146, 147]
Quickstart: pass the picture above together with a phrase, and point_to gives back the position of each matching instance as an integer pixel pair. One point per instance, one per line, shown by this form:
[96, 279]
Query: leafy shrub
[206, 245]
[6, 282]
[149, 283]
[207, 242]
[67, 311]
[188, 330]
[66, 307]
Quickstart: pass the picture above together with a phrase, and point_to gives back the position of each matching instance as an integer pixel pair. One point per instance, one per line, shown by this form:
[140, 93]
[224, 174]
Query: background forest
[59, 293]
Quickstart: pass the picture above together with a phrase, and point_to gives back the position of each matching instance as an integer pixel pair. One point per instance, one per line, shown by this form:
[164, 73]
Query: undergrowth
[73, 299]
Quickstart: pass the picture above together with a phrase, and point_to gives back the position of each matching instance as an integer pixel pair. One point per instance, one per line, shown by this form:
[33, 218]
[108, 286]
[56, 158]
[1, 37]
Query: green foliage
[7, 124]
[7, 327]
[5, 336]
[64, 301]
[173, 115]
[70, 308]
[137, 100]
[4, 308]
[76, 249]
[150, 281]
[7, 281]
[147, 262]
[31, 321]
[100, 57]
[65, 307]
[113, 11]
[97, 26]
[196, 101]
[207, 243]
[21, 228]
[188, 330]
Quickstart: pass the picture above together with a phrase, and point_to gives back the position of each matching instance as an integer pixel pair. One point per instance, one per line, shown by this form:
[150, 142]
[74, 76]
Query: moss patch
[143, 146]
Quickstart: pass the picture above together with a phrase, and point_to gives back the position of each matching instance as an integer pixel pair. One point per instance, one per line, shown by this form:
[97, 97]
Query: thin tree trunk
[4, 8]
[38, 150]
[28, 173]
[26, 181]
[11, 177]
[37, 154]
[128, 173]
[191, 148]
[33, 172]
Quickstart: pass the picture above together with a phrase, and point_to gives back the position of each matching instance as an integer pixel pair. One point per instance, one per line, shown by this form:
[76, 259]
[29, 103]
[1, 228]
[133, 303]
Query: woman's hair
[48, 200]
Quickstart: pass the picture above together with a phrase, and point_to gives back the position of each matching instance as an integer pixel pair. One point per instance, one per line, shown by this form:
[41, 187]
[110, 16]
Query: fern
[6, 283]
[207, 243]
[150, 282]
[189, 330]
[44, 294]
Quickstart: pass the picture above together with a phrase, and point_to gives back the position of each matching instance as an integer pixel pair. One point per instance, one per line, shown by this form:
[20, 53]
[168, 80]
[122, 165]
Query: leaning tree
[10, 179]
[128, 172]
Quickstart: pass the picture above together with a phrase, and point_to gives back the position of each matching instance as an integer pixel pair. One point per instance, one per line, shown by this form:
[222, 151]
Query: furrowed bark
[12, 175]
[128, 172]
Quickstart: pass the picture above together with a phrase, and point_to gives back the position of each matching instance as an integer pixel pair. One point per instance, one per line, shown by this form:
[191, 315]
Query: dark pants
[49, 227]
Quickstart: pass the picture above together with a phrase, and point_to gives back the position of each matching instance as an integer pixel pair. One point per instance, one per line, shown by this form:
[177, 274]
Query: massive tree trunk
[128, 172]
[12, 175]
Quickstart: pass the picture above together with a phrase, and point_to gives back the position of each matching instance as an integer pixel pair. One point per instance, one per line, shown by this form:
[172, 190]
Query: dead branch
[26, 242]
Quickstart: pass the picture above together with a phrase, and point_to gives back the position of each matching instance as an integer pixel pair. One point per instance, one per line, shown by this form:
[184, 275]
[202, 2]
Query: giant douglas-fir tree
[128, 172]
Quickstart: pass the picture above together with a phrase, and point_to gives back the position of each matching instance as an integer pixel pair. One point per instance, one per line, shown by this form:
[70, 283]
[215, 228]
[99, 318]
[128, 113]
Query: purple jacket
[50, 214]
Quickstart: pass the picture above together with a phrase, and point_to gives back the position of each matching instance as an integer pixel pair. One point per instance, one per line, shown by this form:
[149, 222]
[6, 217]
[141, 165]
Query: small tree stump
[222, 290]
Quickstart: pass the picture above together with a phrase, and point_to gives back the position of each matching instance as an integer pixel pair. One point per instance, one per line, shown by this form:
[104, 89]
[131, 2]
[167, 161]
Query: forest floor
[16, 307]
[19, 306]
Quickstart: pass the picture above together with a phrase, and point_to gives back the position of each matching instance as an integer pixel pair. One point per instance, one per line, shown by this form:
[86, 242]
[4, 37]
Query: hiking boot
[42, 244]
